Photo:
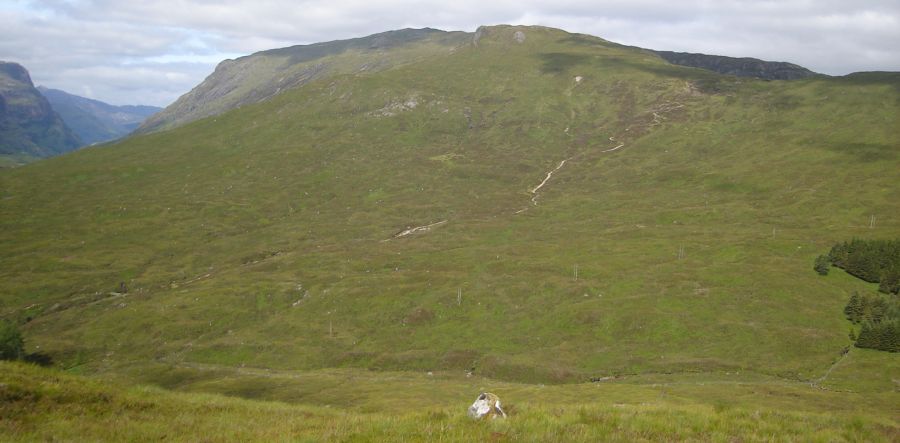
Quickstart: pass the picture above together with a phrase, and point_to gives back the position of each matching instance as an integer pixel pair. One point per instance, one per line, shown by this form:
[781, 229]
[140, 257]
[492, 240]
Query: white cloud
[152, 52]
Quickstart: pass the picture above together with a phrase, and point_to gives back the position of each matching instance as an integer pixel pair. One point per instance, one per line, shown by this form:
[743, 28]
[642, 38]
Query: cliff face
[28, 124]
[741, 67]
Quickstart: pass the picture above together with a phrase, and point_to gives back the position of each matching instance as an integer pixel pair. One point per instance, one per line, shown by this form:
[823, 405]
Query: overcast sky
[151, 52]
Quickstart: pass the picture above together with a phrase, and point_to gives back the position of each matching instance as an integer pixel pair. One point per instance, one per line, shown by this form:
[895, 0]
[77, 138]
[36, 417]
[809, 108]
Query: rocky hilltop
[29, 126]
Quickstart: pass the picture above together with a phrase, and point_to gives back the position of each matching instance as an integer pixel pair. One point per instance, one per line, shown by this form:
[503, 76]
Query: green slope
[262, 75]
[43, 405]
[692, 204]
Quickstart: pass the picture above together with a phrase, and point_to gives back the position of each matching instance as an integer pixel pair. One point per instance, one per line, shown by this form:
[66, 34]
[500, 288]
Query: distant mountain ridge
[95, 121]
[738, 66]
[29, 126]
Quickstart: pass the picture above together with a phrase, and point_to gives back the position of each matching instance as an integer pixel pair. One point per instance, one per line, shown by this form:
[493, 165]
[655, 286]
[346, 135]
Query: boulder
[486, 405]
[519, 37]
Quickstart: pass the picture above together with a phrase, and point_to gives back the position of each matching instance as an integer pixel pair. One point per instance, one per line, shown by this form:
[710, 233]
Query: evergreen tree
[853, 310]
[892, 339]
[884, 336]
[838, 255]
[822, 265]
[890, 280]
[876, 261]
[866, 337]
[877, 310]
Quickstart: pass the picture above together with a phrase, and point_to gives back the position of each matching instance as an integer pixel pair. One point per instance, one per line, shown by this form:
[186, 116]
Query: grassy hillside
[40, 404]
[691, 204]
[12, 161]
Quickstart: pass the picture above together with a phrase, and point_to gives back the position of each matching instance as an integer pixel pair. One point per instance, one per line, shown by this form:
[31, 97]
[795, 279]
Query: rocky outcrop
[487, 405]
[500, 33]
[741, 67]
[519, 37]
[28, 124]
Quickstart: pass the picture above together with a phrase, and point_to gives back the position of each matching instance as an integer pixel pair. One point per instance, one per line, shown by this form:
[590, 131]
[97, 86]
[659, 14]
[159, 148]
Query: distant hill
[741, 67]
[29, 127]
[95, 121]
[256, 77]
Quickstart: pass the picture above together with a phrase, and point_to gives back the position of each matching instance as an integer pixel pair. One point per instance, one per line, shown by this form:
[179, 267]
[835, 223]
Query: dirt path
[534, 194]
[617, 147]
[409, 231]
[534, 190]
[816, 383]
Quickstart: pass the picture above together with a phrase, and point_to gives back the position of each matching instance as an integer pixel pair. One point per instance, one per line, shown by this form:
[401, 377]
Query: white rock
[486, 405]
[519, 36]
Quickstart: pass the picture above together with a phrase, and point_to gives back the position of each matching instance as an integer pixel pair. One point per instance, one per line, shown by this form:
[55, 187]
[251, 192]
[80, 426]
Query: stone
[486, 405]
[480, 32]
[519, 37]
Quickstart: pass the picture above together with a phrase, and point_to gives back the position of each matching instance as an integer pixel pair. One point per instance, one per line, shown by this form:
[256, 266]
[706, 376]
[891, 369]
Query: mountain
[28, 125]
[741, 67]
[260, 76]
[531, 208]
[257, 77]
[94, 121]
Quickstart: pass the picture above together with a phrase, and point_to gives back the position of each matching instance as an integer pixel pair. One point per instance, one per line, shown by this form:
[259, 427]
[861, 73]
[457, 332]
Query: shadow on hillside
[39, 358]
[705, 81]
[590, 41]
[865, 152]
[557, 62]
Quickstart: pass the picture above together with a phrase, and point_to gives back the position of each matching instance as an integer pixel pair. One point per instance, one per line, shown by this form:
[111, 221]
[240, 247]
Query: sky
[152, 52]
